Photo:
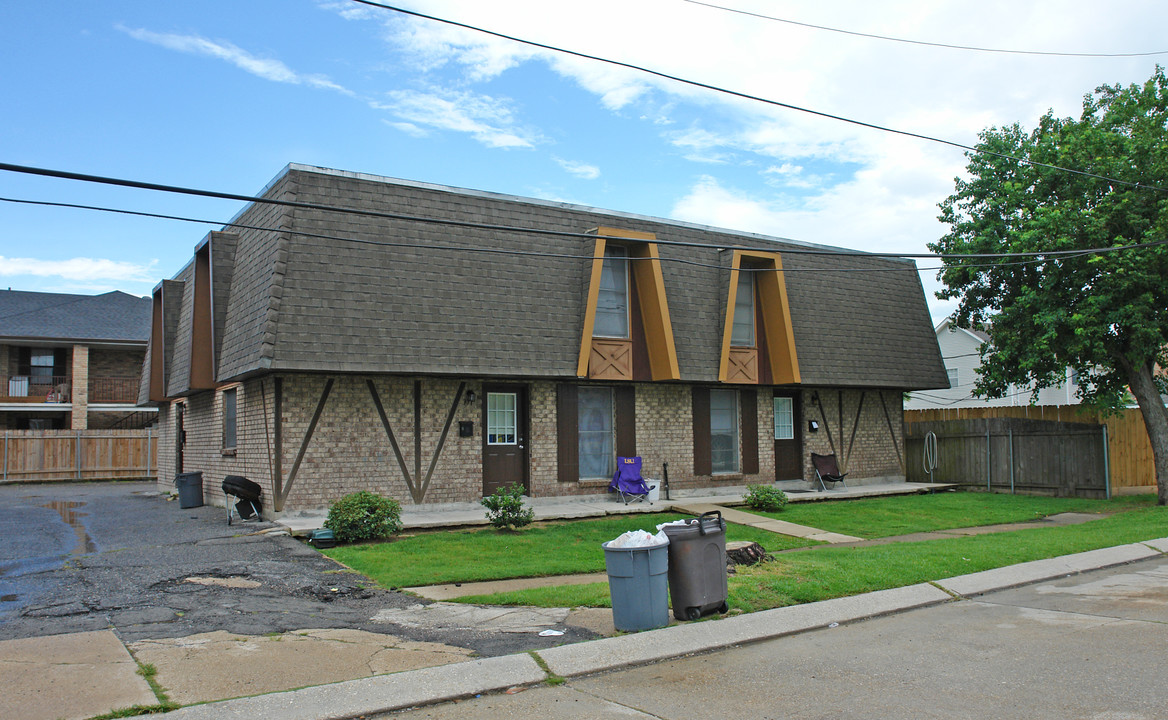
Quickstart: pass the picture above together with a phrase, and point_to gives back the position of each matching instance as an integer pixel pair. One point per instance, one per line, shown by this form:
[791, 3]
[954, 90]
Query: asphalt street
[1091, 646]
[96, 556]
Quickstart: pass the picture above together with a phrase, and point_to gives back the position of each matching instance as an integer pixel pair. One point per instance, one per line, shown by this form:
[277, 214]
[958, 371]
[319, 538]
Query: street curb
[680, 640]
[387, 693]
[1048, 569]
[1161, 544]
[378, 694]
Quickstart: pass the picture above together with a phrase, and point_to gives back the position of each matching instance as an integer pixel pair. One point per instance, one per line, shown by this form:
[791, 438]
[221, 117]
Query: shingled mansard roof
[112, 317]
[382, 295]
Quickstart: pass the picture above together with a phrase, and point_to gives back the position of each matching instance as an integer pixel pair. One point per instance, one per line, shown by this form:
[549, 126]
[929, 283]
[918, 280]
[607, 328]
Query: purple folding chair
[628, 482]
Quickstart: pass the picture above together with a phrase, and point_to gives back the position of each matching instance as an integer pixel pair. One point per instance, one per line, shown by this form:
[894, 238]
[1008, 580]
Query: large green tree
[1101, 312]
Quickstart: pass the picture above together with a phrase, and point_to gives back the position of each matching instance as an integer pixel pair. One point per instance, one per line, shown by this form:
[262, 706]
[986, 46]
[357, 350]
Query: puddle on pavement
[68, 510]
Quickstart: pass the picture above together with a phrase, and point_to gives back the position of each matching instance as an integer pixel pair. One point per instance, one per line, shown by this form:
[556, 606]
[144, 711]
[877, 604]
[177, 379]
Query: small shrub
[505, 508]
[765, 497]
[363, 516]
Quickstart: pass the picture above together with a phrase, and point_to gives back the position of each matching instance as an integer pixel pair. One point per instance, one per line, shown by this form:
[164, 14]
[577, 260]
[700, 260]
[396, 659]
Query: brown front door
[788, 437]
[505, 453]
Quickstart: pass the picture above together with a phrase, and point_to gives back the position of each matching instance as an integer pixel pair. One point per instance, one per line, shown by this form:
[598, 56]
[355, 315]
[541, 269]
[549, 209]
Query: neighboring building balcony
[37, 389]
[59, 389]
[113, 390]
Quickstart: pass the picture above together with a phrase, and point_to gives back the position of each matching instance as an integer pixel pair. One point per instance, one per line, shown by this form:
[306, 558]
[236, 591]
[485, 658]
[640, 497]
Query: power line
[756, 98]
[922, 42]
[457, 248]
[159, 187]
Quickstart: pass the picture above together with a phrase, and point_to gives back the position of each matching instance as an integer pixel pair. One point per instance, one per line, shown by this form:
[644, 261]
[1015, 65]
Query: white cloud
[579, 169]
[98, 271]
[266, 68]
[488, 120]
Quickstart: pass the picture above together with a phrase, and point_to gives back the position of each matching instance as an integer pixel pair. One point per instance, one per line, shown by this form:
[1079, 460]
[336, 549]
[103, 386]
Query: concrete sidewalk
[447, 515]
[84, 674]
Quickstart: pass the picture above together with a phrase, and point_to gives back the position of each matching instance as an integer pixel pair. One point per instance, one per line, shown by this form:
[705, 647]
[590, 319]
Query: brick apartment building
[72, 362]
[434, 343]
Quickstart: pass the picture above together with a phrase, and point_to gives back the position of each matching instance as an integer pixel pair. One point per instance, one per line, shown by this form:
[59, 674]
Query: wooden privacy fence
[40, 455]
[1129, 454]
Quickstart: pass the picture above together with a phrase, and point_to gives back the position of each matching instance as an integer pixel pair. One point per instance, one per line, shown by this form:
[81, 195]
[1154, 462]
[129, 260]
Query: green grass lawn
[879, 517]
[557, 548]
[827, 572]
[546, 548]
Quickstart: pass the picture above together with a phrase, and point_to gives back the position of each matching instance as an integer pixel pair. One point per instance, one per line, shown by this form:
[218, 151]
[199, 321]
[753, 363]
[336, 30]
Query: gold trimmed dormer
[626, 307]
[757, 331]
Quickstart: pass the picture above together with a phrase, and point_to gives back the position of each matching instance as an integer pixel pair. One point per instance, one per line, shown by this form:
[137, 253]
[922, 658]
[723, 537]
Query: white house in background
[961, 355]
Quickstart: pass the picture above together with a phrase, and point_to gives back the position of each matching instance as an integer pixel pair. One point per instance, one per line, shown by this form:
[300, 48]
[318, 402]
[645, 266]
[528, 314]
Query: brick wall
[875, 451]
[350, 450]
[203, 451]
[108, 363]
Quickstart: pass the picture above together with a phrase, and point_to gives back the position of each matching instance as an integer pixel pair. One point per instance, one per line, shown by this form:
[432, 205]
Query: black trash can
[697, 566]
[190, 489]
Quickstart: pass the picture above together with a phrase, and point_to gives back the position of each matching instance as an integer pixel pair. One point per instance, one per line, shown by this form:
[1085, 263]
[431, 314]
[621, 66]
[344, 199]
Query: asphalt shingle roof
[112, 317]
[407, 297]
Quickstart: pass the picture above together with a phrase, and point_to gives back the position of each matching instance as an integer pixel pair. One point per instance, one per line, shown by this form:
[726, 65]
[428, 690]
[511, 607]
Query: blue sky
[222, 95]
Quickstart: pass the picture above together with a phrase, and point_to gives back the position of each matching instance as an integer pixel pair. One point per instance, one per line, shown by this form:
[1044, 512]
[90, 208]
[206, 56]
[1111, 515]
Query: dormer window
[612, 304]
[743, 334]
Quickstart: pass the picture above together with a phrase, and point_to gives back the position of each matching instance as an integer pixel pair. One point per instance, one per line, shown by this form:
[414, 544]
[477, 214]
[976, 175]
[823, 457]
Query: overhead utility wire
[756, 98]
[471, 248]
[922, 42]
[448, 248]
[158, 187]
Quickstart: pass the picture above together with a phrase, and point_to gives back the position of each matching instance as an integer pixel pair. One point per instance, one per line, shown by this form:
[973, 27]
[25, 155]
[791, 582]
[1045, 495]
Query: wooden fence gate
[1014, 455]
[40, 455]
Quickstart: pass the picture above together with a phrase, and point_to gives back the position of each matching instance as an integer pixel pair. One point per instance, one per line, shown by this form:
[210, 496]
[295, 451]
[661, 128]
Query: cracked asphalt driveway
[91, 556]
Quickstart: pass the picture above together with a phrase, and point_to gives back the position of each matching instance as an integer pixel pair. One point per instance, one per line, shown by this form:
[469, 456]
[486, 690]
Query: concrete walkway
[739, 517]
[448, 515]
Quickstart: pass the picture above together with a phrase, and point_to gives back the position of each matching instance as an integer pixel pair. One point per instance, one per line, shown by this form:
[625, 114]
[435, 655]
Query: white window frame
[615, 265]
[742, 333]
[230, 420]
[735, 434]
[954, 375]
[610, 455]
[502, 418]
[784, 418]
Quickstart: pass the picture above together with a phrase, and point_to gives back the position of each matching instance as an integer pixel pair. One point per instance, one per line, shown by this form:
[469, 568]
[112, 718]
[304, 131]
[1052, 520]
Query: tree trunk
[1155, 420]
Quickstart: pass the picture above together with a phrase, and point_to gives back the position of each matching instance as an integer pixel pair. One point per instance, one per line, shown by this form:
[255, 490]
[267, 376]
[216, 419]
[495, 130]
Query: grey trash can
[190, 489]
[697, 566]
[637, 584]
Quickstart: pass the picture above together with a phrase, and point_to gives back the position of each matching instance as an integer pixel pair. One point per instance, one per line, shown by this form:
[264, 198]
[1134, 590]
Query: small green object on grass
[765, 497]
[505, 508]
[363, 516]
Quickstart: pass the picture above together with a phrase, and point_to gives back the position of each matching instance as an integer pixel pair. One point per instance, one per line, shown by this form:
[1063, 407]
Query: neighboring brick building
[72, 362]
[439, 343]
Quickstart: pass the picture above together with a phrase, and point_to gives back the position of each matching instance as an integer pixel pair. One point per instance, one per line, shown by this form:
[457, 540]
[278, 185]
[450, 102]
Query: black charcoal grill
[248, 506]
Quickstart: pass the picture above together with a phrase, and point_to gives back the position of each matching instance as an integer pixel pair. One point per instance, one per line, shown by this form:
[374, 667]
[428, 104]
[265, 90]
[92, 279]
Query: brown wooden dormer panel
[156, 369]
[771, 353]
[202, 367]
[648, 352]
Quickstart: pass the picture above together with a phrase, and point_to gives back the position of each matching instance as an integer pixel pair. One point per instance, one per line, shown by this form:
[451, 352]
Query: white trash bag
[639, 538]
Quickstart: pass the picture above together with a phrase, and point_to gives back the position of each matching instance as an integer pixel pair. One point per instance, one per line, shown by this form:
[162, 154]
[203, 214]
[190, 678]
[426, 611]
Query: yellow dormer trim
[776, 317]
[652, 301]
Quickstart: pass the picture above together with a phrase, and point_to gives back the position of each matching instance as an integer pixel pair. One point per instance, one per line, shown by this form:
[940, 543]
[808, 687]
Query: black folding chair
[827, 470]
